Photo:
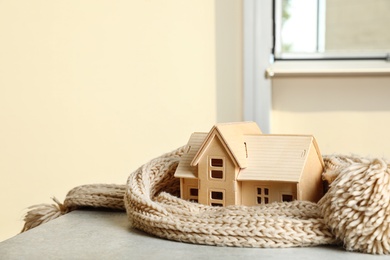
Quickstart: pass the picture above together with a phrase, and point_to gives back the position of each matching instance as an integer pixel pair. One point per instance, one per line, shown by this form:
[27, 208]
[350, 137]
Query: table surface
[92, 234]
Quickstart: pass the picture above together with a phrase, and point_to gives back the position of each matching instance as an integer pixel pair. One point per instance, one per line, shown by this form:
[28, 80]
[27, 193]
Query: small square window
[266, 200]
[217, 162]
[193, 192]
[266, 191]
[258, 191]
[258, 200]
[217, 195]
[216, 174]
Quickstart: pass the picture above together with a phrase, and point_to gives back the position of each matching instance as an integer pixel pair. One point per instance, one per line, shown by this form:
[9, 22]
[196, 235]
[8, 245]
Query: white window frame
[321, 54]
[259, 66]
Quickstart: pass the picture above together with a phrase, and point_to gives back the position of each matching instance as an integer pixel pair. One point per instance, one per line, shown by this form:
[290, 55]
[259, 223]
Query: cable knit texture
[354, 211]
[357, 206]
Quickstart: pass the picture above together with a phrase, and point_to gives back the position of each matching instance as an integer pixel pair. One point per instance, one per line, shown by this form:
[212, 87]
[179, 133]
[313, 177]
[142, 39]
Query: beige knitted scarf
[354, 211]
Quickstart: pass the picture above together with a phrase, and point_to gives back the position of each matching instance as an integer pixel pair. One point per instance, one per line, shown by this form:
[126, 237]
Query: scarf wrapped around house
[355, 212]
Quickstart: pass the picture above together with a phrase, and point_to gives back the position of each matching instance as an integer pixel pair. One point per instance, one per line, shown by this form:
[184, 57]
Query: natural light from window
[331, 29]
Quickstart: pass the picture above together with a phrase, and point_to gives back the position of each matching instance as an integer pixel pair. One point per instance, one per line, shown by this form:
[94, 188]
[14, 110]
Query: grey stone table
[90, 234]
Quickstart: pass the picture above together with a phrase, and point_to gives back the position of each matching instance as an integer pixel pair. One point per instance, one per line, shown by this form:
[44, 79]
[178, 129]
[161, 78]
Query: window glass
[331, 29]
[287, 197]
[217, 198]
[216, 162]
[217, 195]
[193, 192]
[216, 174]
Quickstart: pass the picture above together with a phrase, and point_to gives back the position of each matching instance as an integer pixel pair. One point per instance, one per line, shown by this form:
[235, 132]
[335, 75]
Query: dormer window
[216, 162]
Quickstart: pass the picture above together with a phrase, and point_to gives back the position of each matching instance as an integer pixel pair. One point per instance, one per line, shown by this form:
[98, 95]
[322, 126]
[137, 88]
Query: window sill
[328, 68]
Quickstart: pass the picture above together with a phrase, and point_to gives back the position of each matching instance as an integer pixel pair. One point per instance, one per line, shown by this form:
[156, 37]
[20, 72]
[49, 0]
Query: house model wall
[235, 164]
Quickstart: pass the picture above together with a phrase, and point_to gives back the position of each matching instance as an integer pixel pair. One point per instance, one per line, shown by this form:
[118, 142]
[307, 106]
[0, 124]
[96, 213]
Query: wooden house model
[235, 164]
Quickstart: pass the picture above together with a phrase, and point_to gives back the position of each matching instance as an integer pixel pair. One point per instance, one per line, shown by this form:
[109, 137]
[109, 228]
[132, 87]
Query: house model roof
[231, 135]
[277, 157]
[259, 156]
[185, 169]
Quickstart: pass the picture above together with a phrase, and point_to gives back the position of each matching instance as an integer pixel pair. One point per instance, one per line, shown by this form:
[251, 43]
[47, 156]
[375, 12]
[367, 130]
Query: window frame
[191, 197]
[265, 198]
[216, 168]
[259, 65]
[257, 47]
[216, 202]
[287, 193]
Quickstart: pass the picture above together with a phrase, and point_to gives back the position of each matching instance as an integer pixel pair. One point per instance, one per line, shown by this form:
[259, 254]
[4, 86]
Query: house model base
[235, 164]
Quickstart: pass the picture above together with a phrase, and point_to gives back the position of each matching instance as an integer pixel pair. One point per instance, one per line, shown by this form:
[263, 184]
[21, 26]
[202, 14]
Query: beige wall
[346, 114]
[229, 76]
[90, 90]
[357, 25]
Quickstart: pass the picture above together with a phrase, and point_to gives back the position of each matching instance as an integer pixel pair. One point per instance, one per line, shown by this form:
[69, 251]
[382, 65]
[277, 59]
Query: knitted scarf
[354, 212]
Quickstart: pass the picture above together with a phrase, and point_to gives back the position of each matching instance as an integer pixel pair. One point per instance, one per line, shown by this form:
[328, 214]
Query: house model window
[235, 164]
[193, 194]
[216, 162]
[262, 195]
[217, 198]
[216, 169]
[287, 197]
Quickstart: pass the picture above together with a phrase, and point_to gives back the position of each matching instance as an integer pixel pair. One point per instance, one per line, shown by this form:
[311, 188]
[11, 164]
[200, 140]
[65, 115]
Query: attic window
[217, 162]
[217, 168]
